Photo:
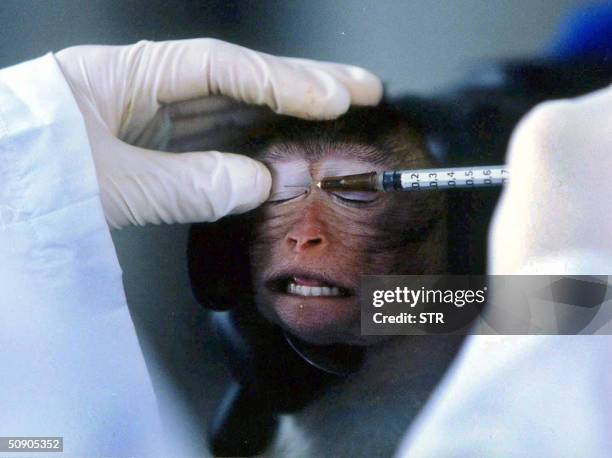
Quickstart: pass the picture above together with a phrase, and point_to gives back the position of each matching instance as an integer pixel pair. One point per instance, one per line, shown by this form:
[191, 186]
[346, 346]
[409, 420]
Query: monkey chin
[317, 320]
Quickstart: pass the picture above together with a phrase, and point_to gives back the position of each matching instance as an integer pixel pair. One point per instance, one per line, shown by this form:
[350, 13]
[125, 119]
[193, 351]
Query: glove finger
[180, 70]
[152, 187]
[364, 87]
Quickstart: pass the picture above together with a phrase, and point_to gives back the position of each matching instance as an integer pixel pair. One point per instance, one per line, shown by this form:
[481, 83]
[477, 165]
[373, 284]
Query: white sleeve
[70, 361]
[545, 396]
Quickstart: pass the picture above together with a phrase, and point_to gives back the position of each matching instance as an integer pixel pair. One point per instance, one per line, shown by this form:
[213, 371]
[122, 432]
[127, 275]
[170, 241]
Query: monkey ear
[219, 263]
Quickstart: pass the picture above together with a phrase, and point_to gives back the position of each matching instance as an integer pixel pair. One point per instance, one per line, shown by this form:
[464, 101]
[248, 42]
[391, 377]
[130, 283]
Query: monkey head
[311, 246]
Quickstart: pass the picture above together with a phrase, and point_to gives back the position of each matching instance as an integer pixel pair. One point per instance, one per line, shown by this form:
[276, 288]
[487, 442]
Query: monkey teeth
[303, 290]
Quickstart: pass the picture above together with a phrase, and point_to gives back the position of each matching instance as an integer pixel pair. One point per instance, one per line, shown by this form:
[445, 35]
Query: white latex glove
[555, 215]
[120, 88]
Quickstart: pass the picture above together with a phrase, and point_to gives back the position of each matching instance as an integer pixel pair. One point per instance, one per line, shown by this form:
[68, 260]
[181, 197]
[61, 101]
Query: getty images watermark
[479, 304]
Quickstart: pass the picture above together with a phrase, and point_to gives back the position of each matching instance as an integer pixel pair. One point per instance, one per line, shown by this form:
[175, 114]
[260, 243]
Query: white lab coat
[70, 361]
[519, 396]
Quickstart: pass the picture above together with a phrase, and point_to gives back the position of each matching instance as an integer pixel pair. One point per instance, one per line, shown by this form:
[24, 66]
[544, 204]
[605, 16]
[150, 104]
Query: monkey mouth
[307, 286]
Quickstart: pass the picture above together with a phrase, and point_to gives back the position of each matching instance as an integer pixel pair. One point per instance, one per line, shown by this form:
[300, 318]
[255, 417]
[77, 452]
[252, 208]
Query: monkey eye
[355, 197]
[286, 195]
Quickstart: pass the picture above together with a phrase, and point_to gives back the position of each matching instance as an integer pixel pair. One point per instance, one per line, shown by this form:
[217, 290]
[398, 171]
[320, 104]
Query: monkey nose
[303, 240]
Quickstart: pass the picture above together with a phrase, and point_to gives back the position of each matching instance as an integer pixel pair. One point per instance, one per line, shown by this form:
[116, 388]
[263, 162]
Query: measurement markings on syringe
[453, 178]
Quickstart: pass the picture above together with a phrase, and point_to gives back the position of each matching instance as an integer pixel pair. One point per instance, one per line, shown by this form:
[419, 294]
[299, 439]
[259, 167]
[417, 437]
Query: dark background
[415, 46]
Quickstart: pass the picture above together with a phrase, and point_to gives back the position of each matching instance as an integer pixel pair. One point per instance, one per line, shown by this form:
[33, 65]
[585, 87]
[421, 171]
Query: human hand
[120, 88]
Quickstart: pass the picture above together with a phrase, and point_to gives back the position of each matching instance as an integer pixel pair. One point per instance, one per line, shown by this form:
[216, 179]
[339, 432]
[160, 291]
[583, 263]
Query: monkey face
[312, 247]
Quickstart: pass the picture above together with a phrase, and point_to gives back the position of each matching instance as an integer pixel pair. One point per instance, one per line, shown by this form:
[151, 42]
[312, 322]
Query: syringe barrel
[444, 178]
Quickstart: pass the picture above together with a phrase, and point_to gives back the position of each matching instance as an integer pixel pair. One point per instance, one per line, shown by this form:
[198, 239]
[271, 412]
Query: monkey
[314, 242]
[307, 250]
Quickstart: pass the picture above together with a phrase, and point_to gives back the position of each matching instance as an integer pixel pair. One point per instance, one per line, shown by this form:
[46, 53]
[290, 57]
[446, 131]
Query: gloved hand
[554, 217]
[120, 88]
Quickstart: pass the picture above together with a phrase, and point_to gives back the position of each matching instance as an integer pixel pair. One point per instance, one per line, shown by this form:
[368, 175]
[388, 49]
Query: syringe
[420, 179]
